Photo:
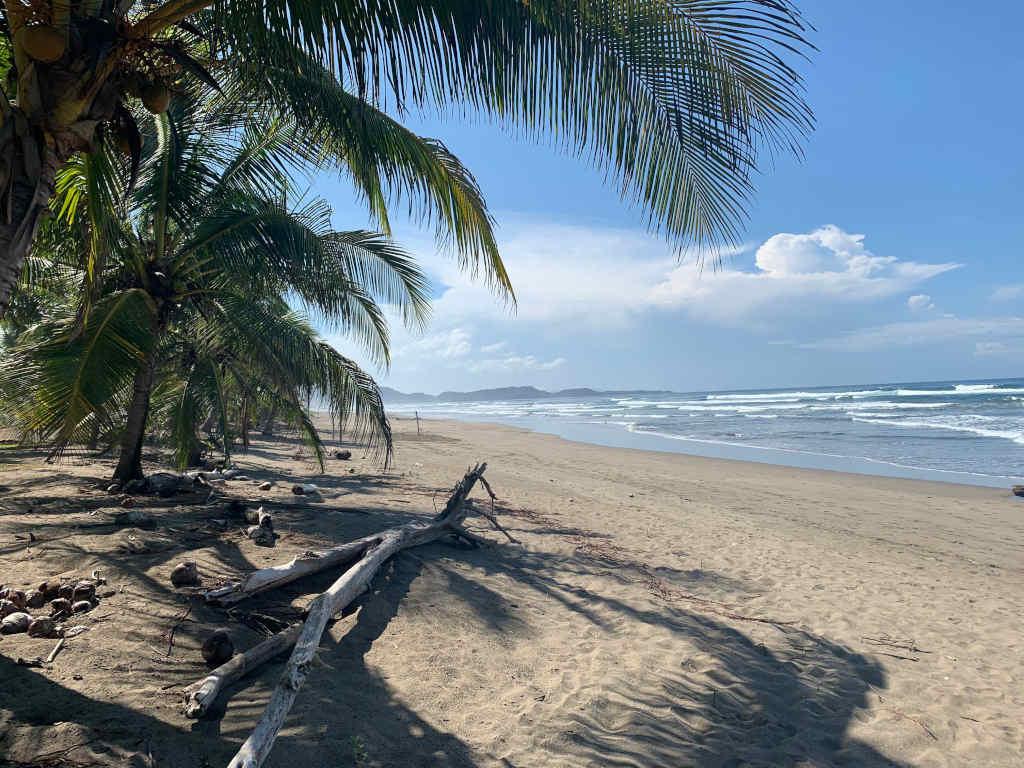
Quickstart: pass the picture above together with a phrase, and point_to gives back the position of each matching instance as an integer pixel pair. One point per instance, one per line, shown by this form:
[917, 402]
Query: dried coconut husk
[44, 626]
[84, 590]
[218, 648]
[60, 607]
[185, 575]
[15, 623]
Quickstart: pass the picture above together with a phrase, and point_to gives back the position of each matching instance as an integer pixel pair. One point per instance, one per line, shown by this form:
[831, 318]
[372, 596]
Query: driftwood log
[200, 696]
[367, 555]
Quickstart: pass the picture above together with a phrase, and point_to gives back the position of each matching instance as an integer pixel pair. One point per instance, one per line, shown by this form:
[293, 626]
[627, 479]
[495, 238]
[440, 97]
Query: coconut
[50, 589]
[60, 606]
[42, 627]
[67, 591]
[34, 599]
[218, 648]
[81, 606]
[185, 574]
[42, 42]
[15, 623]
[156, 97]
[84, 590]
[7, 608]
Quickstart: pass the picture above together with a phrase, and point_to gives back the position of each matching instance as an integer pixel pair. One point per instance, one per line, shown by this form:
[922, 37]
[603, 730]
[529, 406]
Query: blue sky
[892, 252]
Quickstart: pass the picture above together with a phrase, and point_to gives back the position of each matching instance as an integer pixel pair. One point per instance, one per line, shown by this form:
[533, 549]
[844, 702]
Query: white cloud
[793, 274]
[1008, 292]
[940, 330]
[490, 349]
[516, 363]
[448, 345]
[607, 278]
[920, 302]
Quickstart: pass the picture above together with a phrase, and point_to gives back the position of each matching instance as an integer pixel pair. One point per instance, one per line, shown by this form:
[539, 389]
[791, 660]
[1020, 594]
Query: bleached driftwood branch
[370, 554]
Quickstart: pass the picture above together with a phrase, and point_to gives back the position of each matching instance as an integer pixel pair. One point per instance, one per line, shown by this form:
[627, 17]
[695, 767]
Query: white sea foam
[963, 424]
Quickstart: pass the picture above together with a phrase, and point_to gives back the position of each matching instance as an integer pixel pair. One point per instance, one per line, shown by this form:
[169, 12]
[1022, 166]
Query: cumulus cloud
[920, 302]
[827, 265]
[940, 330]
[490, 349]
[447, 345]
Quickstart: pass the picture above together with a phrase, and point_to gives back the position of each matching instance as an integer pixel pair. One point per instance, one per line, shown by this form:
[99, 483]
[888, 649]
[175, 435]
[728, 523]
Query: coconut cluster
[26, 610]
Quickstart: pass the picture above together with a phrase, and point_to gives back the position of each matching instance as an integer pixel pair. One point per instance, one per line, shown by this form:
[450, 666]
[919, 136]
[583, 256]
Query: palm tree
[186, 276]
[674, 99]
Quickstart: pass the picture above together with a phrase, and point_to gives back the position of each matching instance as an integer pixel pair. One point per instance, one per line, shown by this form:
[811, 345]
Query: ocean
[958, 431]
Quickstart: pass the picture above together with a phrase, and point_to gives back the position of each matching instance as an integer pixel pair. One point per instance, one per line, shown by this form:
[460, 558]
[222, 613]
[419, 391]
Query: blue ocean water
[958, 431]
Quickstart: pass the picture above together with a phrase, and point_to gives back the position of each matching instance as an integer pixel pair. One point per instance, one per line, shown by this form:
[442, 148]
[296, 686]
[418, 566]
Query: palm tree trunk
[28, 170]
[268, 426]
[129, 465]
[245, 424]
[94, 435]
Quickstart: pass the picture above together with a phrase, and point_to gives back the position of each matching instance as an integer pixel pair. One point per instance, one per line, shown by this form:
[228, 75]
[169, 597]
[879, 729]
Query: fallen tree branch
[199, 697]
[302, 565]
[340, 594]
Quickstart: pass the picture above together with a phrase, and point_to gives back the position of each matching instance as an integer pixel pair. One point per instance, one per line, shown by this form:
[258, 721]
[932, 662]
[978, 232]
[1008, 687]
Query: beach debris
[34, 599]
[16, 596]
[369, 559]
[266, 486]
[15, 623]
[304, 489]
[75, 631]
[84, 590]
[7, 608]
[200, 696]
[233, 474]
[263, 537]
[218, 648]
[1018, 490]
[50, 589]
[44, 626]
[185, 574]
[114, 488]
[60, 606]
[66, 591]
[81, 606]
[263, 532]
[56, 649]
[343, 455]
[165, 484]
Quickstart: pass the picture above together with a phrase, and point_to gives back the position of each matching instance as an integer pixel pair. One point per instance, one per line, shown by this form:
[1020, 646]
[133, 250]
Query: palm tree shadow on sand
[790, 705]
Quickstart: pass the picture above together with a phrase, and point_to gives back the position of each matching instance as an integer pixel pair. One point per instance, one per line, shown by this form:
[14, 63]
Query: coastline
[659, 609]
[617, 437]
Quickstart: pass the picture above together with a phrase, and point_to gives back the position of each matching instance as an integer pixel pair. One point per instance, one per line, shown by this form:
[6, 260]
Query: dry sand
[630, 628]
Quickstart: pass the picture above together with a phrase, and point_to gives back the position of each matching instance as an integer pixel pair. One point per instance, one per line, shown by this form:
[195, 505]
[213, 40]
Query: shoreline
[609, 436]
[656, 609]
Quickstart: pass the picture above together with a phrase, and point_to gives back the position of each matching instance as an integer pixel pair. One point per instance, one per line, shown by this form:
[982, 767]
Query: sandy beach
[659, 610]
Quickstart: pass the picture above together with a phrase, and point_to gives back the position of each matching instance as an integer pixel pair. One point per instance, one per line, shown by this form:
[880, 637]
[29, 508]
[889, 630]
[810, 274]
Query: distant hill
[394, 396]
[508, 393]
